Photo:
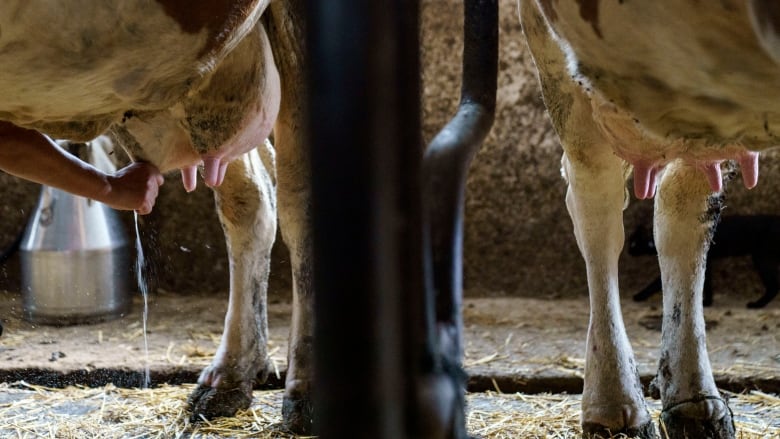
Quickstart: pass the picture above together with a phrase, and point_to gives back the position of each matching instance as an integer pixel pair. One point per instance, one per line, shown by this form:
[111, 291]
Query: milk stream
[142, 285]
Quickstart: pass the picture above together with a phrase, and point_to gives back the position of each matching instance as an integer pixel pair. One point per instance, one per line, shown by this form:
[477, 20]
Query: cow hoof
[596, 431]
[223, 390]
[627, 419]
[298, 415]
[212, 402]
[709, 418]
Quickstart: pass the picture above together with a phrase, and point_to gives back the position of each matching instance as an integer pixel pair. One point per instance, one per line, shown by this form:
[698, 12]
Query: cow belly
[70, 61]
[230, 114]
[680, 69]
[90, 58]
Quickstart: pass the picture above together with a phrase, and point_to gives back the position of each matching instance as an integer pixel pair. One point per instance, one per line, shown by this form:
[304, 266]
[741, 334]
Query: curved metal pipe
[447, 159]
[444, 170]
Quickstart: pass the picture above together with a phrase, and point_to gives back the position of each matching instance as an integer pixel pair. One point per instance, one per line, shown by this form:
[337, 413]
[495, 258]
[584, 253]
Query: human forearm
[31, 155]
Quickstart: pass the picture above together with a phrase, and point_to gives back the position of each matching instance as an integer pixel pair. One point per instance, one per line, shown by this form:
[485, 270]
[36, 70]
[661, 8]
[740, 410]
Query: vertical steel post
[387, 341]
[365, 150]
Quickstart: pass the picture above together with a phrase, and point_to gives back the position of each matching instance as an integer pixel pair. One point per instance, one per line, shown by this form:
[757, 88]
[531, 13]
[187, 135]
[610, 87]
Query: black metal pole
[447, 160]
[364, 177]
[445, 168]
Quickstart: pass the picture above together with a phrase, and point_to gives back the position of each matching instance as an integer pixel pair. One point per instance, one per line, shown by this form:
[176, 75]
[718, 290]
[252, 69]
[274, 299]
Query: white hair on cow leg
[595, 200]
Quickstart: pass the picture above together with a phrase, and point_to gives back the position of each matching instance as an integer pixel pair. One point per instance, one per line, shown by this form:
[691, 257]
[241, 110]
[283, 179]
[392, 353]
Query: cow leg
[294, 193]
[246, 203]
[285, 29]
[612, 398]
[685, 214]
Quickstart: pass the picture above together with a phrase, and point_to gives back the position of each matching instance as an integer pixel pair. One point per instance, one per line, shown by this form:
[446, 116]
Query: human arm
[32, 156]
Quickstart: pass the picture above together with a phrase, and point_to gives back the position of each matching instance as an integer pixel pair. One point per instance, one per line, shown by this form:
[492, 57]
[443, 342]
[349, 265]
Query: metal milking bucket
[75, 256]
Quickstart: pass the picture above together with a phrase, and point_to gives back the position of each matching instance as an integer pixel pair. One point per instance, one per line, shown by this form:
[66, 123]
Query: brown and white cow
[671, 88]
[179, 83]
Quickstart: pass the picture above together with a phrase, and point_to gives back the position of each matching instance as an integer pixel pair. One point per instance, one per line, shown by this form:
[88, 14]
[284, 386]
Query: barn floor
[110, 412]
[513, 345]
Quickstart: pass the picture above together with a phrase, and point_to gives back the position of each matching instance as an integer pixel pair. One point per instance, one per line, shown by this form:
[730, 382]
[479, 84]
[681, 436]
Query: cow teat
[646, 173]
[189, 177]
[748, 165]
[645, 179]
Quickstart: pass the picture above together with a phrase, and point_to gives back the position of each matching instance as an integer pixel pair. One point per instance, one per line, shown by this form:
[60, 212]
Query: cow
[180, 84]
[666, 89]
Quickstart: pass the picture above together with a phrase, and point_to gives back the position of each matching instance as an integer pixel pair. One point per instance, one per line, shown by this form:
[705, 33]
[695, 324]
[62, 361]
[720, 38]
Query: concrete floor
[512, 344]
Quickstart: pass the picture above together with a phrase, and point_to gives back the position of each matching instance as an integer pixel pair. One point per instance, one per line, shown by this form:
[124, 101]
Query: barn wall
[518, 235]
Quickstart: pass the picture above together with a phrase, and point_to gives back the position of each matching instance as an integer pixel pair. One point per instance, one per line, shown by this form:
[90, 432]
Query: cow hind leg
[612, 400]
[294, 196]
[297, 406]
[246, 203]
[293, 169]
[685, 214]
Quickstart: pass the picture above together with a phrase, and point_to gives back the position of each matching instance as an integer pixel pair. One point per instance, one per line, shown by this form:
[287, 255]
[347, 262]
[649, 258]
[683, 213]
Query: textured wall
[518, 234]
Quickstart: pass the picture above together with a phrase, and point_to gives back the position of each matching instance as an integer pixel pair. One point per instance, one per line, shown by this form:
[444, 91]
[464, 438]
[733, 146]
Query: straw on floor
[28, 411]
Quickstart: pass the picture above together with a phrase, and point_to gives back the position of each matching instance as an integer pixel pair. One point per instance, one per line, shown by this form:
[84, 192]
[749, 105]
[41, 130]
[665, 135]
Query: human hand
[134, 187]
